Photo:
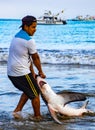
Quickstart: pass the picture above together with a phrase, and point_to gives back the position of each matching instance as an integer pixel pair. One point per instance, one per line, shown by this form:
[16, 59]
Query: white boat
[84, 18]
[49, 19]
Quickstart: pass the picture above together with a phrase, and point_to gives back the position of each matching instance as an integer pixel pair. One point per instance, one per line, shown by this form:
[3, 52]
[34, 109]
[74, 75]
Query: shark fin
[53, 113]
[84, 106]
[71, 96]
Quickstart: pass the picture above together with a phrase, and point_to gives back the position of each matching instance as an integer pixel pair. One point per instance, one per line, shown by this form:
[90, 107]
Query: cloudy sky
[20, 8]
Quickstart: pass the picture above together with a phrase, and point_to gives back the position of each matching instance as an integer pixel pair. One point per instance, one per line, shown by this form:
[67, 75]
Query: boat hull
[42, 22]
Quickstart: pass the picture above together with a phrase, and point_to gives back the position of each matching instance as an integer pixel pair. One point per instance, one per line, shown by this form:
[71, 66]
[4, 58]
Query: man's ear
[26, 27]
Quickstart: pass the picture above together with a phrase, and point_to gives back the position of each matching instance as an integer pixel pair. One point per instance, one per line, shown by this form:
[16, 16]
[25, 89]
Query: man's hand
[42, 75]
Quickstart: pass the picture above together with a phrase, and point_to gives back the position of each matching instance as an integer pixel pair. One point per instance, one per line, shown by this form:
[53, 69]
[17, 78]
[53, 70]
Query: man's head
[29, 24]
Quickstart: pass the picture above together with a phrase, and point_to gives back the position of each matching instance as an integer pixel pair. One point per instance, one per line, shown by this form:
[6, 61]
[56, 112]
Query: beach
[69, 78]
[68, 59]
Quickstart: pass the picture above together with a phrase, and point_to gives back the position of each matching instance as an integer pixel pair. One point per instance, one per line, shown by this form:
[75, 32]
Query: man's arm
[32, 70]
[37, 63]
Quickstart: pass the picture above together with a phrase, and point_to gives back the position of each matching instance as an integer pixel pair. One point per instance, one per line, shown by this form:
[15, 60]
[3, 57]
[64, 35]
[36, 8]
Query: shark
[57, 103]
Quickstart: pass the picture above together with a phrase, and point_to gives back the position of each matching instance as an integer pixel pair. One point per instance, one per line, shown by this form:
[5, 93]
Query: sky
[20, 8]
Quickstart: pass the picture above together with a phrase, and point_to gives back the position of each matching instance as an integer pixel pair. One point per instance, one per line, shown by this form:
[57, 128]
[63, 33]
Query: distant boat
[49, 19]
[85, 18]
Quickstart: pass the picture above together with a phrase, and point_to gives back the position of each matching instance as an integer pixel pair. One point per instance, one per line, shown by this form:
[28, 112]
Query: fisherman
[22, 51]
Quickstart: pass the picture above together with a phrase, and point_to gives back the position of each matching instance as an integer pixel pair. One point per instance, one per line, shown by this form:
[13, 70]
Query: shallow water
[60, 77]
[68, 58]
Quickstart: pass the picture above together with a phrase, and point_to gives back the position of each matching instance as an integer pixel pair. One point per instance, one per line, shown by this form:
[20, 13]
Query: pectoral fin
[53, 113]
[71, 96]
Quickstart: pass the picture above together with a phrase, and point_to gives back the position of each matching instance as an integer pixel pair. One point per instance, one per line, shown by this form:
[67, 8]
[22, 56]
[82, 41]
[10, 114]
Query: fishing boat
[49, 19]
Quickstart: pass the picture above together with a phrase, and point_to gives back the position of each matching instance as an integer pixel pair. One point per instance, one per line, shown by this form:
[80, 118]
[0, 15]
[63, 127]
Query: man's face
[31, 29]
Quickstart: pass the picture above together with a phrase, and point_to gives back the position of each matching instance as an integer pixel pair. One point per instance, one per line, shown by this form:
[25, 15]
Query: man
[21, 53]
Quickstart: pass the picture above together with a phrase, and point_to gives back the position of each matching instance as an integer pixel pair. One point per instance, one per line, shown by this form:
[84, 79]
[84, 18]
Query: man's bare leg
[36, 107]
[22, 101]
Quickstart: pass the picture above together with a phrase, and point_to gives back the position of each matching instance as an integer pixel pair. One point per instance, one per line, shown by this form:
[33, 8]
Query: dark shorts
[27, 84]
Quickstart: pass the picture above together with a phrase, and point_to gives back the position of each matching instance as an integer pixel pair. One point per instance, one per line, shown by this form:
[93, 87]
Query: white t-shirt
[19, 60]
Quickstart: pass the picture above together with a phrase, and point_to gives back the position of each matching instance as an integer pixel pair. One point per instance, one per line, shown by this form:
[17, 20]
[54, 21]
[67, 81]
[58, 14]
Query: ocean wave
[60, 57]
[69, 56]
[3, 54]
[9, 93]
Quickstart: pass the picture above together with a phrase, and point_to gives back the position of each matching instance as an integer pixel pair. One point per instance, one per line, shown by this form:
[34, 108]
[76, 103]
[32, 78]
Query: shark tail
[90, 112]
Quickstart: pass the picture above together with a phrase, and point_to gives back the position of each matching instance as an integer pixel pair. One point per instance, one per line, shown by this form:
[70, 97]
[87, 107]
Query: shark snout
[41, 82]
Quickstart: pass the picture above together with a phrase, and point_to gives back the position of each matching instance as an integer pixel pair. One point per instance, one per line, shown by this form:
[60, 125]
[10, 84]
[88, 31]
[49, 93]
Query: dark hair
[28, 20]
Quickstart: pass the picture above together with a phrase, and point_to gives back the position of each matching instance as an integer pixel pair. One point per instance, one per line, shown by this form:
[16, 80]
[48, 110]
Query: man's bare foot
[36, 118]
[17, 115]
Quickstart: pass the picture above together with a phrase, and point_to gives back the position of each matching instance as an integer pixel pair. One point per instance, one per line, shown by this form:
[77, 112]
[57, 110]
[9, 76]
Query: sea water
[68, 59]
